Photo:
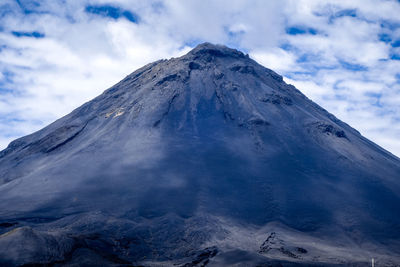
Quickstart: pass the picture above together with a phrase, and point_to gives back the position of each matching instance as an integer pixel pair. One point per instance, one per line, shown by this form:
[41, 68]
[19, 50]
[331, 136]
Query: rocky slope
[207, 159]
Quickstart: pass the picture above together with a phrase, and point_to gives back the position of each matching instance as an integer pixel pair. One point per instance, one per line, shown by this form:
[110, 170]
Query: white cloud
[277, 59]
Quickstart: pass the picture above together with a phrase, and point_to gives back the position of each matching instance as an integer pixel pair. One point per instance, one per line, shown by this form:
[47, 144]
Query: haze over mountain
[207, 159]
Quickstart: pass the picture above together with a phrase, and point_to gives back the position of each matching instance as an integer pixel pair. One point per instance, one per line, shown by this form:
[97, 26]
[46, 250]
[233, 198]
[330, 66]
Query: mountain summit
[206, 159]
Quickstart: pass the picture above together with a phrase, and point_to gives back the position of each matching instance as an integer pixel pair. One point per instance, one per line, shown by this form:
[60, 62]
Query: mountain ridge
[204, 49]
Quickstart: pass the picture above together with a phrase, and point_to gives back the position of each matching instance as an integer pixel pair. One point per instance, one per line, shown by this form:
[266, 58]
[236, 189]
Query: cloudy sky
[57, 54]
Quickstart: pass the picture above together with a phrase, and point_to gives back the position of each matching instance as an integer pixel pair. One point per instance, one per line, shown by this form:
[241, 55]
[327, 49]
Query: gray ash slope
[209, 158]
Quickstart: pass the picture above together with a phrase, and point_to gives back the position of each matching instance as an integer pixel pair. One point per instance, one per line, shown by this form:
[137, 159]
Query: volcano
[206, 159]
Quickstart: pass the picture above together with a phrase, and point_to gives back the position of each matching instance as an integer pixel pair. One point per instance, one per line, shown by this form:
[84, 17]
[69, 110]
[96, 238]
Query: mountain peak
[216, 50]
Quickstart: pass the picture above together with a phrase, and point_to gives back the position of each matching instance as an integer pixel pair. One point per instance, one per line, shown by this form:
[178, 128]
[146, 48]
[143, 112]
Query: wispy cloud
[345, 55]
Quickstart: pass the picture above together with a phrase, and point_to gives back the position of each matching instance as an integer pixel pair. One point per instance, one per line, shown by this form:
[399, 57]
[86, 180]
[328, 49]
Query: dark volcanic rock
[196, 161]
[277, 99]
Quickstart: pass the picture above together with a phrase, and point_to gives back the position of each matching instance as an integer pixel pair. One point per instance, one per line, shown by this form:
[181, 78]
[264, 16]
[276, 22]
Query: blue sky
[57, 54]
